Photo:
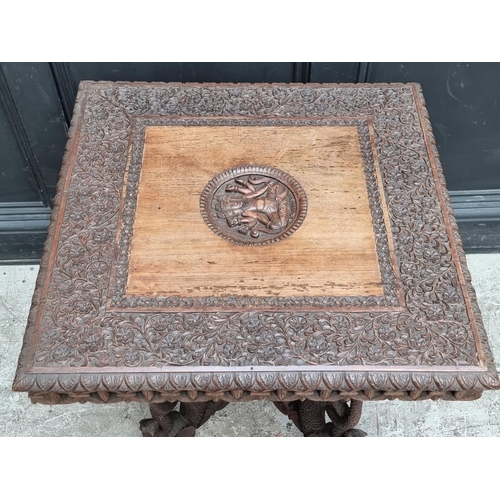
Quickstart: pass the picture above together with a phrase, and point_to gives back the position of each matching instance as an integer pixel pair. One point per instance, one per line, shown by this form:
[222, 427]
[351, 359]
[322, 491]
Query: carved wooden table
[224, 243]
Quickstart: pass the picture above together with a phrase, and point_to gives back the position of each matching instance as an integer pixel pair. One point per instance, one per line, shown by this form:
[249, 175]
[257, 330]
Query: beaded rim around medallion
[253, 205]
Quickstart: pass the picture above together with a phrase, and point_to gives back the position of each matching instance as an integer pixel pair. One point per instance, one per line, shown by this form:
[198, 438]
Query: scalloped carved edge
[236, 396]
[276, 386]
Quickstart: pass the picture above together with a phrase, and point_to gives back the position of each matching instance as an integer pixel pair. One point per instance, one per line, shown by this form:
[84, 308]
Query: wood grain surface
[174, 253]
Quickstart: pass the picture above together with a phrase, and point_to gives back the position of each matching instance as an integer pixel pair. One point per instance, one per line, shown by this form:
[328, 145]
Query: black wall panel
[463, 100]
[36, 99]
[335, 72]
[16, 180]
[32, 141]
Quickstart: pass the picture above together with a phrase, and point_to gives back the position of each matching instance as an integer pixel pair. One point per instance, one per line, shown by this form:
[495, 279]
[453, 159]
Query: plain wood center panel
[173, 252]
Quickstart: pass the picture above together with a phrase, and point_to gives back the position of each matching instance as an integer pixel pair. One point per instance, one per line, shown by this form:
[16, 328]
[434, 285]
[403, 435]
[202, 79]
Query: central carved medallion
[253, 205]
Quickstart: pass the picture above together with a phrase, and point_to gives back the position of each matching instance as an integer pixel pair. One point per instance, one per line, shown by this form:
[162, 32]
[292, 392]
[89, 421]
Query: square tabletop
[235, 242]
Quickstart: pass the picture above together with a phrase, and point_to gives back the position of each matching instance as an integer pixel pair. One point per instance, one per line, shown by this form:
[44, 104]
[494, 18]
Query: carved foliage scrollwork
[433, 331]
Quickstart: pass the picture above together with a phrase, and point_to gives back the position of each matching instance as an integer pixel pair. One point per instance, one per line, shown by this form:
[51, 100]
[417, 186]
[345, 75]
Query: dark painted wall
[36, 103]
[463, 100]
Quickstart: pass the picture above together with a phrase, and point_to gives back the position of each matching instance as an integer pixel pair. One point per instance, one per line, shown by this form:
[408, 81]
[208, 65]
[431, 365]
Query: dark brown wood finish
[87, 340]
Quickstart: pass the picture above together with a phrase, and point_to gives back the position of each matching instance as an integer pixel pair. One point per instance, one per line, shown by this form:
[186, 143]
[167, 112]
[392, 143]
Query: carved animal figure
[263, 202]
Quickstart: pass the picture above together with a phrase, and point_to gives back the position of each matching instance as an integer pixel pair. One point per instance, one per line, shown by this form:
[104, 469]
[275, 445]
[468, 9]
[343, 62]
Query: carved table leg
[166, 422]
[309, 417]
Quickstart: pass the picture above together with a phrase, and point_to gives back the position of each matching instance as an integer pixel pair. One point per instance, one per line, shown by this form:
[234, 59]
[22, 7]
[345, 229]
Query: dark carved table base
[308, 416]
[183, 423]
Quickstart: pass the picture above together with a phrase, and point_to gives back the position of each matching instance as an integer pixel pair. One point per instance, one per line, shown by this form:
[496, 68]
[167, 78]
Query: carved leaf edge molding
[274, 386]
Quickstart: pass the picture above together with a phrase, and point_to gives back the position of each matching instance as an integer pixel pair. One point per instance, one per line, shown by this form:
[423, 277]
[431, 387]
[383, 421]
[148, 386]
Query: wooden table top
[235, 242]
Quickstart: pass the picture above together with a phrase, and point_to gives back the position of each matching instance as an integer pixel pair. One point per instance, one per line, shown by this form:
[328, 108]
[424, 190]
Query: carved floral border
[74, 348]
[236, 303]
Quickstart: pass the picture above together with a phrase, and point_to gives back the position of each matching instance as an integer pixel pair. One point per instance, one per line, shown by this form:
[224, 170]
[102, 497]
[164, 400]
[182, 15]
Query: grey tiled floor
[18, 417]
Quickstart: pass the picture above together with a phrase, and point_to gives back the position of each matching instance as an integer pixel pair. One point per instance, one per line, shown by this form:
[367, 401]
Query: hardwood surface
[86, 340]
[173, 252]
